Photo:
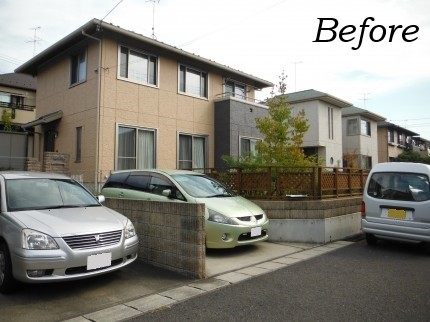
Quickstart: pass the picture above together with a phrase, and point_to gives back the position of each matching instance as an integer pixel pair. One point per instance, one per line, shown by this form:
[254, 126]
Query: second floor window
[193, 81]
[365, 128]
[390, 134]
[78, 68]
[138, 66]
[235, 89]
[352, 127]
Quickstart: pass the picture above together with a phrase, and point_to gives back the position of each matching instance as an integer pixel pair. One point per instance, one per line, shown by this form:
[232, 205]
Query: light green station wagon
[231, 220]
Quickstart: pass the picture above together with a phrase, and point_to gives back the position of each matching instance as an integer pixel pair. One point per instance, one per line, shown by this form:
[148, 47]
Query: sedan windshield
[39, 193]
[200, 186]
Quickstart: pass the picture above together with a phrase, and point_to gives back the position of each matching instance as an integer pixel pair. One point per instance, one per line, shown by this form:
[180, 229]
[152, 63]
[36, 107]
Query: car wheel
[371, 239]
[7, 282]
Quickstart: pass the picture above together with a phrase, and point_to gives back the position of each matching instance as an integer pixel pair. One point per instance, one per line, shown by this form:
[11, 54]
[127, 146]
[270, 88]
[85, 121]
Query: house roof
[353, 110]
[311, 95]
[392, 126]
[98, 29]
[18, 80]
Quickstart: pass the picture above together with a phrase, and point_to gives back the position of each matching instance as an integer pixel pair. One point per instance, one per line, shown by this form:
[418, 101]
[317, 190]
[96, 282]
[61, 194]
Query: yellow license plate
[397, 214]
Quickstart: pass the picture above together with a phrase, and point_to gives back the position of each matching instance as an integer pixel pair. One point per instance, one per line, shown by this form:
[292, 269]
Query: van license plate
[256, 231]
[397, 214]
[99, 261]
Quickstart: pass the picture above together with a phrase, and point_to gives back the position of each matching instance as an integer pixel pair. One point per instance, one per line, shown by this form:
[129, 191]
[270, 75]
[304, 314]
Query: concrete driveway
[100, 298]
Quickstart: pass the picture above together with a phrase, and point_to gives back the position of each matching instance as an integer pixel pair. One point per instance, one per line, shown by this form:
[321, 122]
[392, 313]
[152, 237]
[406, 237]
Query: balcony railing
[17, 106]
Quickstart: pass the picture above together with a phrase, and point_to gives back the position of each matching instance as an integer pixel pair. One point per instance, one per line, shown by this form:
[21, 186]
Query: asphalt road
[389, 282]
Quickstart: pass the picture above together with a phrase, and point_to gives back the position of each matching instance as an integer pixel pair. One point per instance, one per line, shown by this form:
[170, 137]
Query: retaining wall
[313, 221]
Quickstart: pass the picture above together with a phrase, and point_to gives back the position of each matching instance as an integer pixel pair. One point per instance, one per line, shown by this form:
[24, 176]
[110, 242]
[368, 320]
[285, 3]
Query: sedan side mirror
[101, 198]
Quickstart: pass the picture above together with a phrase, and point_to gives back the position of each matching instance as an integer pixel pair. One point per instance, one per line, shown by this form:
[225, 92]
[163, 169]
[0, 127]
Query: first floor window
[247, 147]
[193, 81]
[78, 68]
[192, 152]
[136, 148]
[78, 144]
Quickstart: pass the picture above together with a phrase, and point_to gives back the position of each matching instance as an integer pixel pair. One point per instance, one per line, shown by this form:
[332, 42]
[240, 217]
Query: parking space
[62, 301]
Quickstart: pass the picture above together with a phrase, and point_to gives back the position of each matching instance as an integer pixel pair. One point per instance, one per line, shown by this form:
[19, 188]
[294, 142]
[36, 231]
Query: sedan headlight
[129, 230]
[215, 216]
[32, 239]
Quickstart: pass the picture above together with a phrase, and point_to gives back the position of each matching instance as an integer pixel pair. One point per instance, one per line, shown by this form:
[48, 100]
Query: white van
[396, 202]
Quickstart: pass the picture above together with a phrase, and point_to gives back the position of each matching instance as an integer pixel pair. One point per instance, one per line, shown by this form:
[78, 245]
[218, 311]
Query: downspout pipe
[96, 173]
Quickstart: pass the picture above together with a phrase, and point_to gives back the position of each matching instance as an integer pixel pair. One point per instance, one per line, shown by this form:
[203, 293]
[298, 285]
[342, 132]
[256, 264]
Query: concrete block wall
[171, 234]
[312, 221]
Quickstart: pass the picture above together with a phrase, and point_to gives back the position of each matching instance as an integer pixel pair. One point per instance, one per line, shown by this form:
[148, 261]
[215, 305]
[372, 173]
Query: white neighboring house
[324, 114]
[360, 137]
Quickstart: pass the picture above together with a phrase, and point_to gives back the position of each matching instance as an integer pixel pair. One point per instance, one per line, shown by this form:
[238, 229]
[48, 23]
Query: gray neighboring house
[324, 114]
[360, 137]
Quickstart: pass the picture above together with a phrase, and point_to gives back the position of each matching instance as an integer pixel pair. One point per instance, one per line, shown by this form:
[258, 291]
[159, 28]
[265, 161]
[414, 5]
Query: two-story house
[113, 99]
[324, 114]
[17, 106]
[393, 140]
[18, 97]
[360, 139]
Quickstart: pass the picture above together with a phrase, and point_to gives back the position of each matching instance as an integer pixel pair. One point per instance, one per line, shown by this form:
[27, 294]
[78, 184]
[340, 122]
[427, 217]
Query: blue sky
[262, 38]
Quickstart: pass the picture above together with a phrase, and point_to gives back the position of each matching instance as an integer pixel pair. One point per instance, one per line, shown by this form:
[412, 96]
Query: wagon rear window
[399, 186]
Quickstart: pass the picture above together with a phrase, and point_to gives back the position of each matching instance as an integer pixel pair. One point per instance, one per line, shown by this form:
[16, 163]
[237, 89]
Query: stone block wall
[171, 234]
[56, 162]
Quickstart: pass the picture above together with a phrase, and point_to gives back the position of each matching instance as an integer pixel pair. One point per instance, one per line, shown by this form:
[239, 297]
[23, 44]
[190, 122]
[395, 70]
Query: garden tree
[6, 119]
[283, 135]
[412, 156]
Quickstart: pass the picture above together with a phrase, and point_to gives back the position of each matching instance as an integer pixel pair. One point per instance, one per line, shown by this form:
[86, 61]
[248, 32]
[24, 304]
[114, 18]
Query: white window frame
[81, 75]
[365, 127]
[137, 130]
[204, 81]
[193, 158]
[135, 80]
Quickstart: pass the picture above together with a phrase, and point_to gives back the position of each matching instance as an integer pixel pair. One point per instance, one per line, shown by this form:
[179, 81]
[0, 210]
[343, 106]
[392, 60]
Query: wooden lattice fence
[292, 182]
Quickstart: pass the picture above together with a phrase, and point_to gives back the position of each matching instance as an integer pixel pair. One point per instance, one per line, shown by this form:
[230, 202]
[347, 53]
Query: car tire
[371, 239]
[7, 282]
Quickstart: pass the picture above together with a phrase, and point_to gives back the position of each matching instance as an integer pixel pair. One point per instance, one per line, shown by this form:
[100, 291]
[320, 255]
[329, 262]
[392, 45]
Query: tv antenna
[364, 99]
[295, 73]
[35, 39]
[153, 17]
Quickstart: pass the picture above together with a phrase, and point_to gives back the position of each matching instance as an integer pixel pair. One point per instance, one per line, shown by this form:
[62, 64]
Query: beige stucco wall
[121, 102]
[161, 108]
[79, 106]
